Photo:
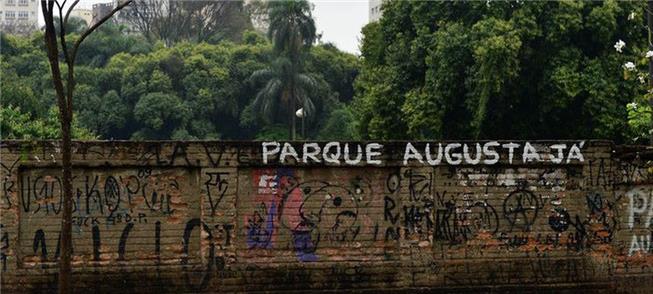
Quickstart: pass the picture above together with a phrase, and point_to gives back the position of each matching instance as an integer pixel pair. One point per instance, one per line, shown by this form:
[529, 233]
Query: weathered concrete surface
[216, 217]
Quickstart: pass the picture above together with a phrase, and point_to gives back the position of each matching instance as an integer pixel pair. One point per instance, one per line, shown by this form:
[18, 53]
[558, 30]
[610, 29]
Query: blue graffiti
[259, 235]
[304, 246]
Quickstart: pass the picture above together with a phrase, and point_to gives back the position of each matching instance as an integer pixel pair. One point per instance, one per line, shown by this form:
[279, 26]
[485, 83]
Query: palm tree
[285, 86]
[292, 27]
[292, 30]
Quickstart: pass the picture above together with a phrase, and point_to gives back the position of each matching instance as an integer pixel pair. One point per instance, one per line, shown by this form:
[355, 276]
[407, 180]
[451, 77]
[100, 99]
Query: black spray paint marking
[96, 243]
[123, 241]
[157, 240]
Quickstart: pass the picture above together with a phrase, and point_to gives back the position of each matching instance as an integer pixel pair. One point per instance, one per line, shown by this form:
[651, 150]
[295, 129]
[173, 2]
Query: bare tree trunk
[65, 104]
[53, 59]
[649, 15]
[66, 217]
[65, 271]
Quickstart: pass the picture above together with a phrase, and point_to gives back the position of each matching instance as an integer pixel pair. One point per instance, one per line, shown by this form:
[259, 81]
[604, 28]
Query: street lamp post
[300, 114]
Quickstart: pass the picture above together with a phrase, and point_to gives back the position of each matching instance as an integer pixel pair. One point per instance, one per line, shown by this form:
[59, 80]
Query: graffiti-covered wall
[276, 216]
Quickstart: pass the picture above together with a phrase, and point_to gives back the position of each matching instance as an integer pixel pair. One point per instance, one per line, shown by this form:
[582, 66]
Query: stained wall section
[212, 217]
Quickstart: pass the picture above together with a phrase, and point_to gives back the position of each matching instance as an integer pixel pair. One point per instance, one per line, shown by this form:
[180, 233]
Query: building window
[11, 2]
[23, 14]
[10, 15]
[22, 2]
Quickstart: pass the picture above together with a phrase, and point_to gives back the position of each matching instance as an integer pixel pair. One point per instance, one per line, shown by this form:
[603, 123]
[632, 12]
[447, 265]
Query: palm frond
[306, 89]
[308, 105]
[307, 83]
[307, 31]
[266, 99]
[261, 75]
[291, 26]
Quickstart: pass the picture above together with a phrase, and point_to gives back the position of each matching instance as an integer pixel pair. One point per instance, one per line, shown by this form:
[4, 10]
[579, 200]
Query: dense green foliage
[19, 125]
[428, 70]
[128, 88]
[501, 69]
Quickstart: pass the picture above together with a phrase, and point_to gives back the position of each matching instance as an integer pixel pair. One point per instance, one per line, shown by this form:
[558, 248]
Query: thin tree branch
[95, 26]
[73, 55]
[70, 82]
[62, 33]
[47, 7]
[53, 52]
[59, 6]
[72, 6]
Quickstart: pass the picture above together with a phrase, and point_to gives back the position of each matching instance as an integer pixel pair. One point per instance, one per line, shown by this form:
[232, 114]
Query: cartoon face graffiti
[317, 211]
[331, 209]
[309, 212]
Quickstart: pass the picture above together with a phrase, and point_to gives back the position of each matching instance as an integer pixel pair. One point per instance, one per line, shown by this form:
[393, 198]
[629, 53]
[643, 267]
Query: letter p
[269, 152]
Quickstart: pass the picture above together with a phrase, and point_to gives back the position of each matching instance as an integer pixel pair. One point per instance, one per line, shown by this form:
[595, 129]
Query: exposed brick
[156, 217]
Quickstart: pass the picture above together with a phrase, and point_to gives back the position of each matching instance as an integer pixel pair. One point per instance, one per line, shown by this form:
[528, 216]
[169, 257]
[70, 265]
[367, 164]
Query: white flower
[629, 66]
[632, 15]
[619, 45]
[631, 105]
[642, 79]
[649, 54]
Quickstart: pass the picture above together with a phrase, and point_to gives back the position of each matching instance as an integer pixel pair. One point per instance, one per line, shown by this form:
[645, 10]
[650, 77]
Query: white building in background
[99, 11]
[19, 16]
[85, 14]
[375, 10]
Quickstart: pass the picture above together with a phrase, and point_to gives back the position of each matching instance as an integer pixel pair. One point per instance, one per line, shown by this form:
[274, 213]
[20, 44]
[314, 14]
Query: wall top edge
[593, 141]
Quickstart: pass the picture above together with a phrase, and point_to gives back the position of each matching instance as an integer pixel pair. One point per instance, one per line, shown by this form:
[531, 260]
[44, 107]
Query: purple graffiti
[304, 246]
[259, 236]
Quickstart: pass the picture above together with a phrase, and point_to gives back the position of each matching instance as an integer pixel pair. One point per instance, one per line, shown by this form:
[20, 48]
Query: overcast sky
[341, 21]
[338, 21]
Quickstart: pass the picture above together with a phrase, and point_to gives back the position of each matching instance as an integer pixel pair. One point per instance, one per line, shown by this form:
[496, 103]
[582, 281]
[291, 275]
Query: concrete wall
[244, 216]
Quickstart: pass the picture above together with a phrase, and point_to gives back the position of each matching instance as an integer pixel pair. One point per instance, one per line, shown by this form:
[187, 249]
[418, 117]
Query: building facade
[100, 10]
[375, 12]
[19, 16]
[85, 14]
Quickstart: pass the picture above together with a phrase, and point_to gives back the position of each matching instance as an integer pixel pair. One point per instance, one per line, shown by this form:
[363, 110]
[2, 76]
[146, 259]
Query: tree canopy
[129, 88]
[498, 69]
[427, 70]
[292, 32]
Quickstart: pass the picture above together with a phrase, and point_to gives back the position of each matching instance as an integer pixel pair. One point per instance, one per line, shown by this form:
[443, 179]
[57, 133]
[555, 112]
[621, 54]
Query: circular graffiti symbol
[393, 182]
[112, 193]
[520, 209]
[483, 217]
